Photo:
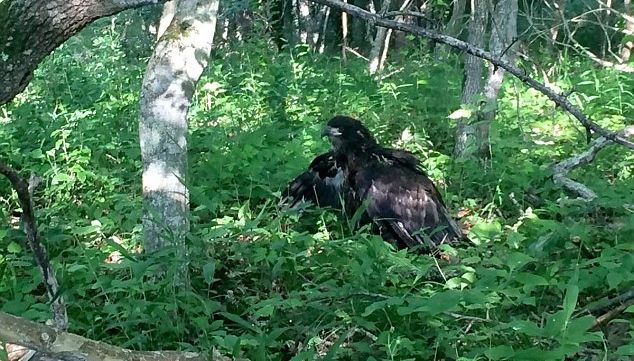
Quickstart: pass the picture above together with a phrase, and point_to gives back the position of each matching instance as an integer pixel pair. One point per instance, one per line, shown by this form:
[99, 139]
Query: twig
[475, 51]
[24, 190]
[383, 77]
[610, 315]
[465, 317]
[515, 39]
[561, 169]
[604, 306]
[356, 53]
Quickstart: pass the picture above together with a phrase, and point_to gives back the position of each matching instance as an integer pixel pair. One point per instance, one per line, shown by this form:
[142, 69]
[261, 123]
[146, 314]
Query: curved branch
[561, 169]
[24, 189]
[557, 98]
[32, 29]
[30, 340]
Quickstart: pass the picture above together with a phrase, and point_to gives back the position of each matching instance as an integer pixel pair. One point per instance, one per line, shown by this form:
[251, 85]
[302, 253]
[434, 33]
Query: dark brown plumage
[398, 196]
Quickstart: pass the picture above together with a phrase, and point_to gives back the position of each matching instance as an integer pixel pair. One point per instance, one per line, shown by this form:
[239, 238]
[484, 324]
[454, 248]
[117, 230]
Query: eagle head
[346, 132]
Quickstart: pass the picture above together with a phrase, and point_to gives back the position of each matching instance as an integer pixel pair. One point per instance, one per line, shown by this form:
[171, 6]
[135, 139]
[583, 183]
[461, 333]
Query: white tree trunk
[503, 32]
[379, 40]
[179, 58]
[473, 72]
[344, 33]
[558, 20]
[388, 36]
[169, 9]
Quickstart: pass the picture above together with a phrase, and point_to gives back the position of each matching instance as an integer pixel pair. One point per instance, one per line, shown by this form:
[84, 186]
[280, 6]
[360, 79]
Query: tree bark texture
[503, 33]
[379, 40]
[169, 9]
[24, 189]
[628, 44]
[454, 26]
[179, 58]
[32, 29]
[558, 20]
[324, 15]
[388, 36]
[28, 340]
[473, 68]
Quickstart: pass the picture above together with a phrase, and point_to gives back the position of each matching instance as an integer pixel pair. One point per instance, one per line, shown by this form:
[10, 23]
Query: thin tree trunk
[32, 29]
[386, 47]
[316, 23]
[628, 45]
[388, 36]
[179, 58]
[344, 32]
[454, 26]
[558, 20]
[304, 22]
[503, 33]
[473, 73]
[379, 41]
[604, 18]
[278, 11]
[320, 45]
[368, 30]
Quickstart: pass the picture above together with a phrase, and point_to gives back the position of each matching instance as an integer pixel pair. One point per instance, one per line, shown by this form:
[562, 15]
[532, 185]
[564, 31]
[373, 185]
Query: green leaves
[270, 284]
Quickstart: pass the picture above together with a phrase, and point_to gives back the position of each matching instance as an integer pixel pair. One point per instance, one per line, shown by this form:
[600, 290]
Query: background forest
[267, 283]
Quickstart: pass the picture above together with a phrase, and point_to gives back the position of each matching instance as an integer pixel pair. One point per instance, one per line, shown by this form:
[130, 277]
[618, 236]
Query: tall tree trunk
[323, 27]
[344, 33]
[369, 29]
[603, 19]
[388, 36]
[454, 26]
[558, 20]
[304, 22]
[628, 44]
[32, 29]
[379, 40]
[473, 73]
[503, 33]
[282, 22]
[179, 58]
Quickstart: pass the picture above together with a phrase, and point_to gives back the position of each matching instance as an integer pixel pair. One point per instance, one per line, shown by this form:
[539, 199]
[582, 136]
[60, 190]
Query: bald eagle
[388, 185]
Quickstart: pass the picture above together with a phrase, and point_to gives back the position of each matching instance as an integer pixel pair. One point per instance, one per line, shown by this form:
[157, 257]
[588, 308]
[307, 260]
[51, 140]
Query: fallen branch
[561, 169]
[24, 190]
[605, 306]
[610, 315]
[470, 49]
[28, 340]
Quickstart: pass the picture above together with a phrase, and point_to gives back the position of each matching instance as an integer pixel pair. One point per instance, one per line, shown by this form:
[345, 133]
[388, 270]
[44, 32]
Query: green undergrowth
[271, 284]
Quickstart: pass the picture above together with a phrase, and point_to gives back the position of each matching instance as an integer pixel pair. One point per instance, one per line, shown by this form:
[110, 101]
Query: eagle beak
[330, 132]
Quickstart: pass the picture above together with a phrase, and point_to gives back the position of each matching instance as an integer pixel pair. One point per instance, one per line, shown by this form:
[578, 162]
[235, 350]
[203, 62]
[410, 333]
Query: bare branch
[561, 169]
[24, 189]
[30, 30]
[36, 341]
[470, 49]
[602, 307]
[611, 314]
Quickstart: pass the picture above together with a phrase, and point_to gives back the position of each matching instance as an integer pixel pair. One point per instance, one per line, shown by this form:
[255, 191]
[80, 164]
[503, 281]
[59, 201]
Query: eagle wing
[321, 184]
[404, 202]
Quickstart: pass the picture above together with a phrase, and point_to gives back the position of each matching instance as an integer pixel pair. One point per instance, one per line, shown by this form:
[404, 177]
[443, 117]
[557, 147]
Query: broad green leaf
[209, 270]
